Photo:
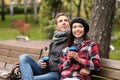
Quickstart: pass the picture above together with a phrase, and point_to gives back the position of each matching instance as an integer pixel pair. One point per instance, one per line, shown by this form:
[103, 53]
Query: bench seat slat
[97, 78]
[115, 74]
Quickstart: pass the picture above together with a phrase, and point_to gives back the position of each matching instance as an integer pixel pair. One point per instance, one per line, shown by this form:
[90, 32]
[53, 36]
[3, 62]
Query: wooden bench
[110, 70]
[9, 57]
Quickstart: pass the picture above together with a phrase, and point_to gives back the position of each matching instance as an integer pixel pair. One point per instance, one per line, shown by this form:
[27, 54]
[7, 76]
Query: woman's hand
[42, 63]
[69, 55]
[85, 71]
[73, 54]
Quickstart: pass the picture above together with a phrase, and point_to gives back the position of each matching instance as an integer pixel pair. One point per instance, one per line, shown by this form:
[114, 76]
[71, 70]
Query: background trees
[101, 19]
[2, 10]
[98, 13]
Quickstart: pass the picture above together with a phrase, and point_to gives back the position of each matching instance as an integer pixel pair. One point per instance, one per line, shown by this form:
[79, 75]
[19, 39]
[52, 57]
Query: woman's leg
[29, 67]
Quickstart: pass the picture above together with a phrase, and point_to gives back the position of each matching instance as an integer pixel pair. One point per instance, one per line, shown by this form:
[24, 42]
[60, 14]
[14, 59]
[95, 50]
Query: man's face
[62, 23]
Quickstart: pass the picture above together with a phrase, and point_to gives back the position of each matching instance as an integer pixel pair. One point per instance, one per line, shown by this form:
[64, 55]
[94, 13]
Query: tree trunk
[78, 8]
[11, 12]
[2, 11]
[35, 12]
[25, 10]
[56, 7]
[78, 5]
[101, 24]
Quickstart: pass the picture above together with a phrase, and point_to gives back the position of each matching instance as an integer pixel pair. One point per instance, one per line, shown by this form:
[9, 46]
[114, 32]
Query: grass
[36, 33]
[115, 55]
[7, 32]
[116, 43]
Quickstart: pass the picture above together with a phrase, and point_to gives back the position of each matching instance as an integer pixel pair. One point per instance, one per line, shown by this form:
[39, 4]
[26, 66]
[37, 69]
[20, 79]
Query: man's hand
[85, 71]
[42, 63]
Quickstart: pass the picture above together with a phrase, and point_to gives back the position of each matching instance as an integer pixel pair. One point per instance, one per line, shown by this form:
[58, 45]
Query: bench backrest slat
[10, 54]
[15, 54]
[4, 52]
[109, 63]
[8, 59]
[110, 69]
[20, 49]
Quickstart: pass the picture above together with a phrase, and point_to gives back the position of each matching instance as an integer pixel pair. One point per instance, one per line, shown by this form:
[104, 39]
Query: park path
[30, 44]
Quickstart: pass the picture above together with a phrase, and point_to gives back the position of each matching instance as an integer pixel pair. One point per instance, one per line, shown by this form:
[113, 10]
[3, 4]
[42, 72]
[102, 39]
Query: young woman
[77, 61]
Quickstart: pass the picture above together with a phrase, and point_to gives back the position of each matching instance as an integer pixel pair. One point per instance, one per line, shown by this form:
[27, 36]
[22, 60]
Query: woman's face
[78, 30]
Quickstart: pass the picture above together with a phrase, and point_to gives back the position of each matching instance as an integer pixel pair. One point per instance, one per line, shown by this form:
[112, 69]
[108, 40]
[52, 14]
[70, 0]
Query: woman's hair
[60, 14]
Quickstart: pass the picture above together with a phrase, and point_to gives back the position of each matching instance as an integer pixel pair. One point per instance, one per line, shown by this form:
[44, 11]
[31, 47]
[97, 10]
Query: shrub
[50, 28]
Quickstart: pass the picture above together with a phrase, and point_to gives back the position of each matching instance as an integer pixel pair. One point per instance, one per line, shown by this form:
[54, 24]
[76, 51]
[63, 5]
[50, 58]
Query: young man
[32, 70]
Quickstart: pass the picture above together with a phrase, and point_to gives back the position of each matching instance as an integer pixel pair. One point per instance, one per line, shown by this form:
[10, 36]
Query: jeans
[31, 70]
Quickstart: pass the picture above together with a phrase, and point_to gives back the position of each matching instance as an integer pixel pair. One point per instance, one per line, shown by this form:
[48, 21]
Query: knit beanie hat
[82, 21]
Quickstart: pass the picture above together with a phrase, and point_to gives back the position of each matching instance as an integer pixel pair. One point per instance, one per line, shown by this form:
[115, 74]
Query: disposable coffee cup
[46, 59]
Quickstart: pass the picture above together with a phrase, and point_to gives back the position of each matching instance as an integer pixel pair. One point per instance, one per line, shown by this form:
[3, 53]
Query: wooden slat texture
[4, 52]
[115, 64]
[9, 53]
[16, 54]
[98, 78]
[115, 74]
[11, 50]
[12, 56]
[110, 69]
[20, 49]
[8, 59]
[1, 64]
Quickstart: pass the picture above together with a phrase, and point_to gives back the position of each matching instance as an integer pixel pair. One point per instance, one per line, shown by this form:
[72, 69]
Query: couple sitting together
[72, 55]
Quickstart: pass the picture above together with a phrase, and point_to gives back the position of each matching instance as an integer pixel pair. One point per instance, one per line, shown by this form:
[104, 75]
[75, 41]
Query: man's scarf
[58, 41]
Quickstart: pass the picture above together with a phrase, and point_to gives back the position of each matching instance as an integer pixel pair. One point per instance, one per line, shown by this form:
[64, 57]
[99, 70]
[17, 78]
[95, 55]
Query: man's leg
[29, 67]
[48, 76]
